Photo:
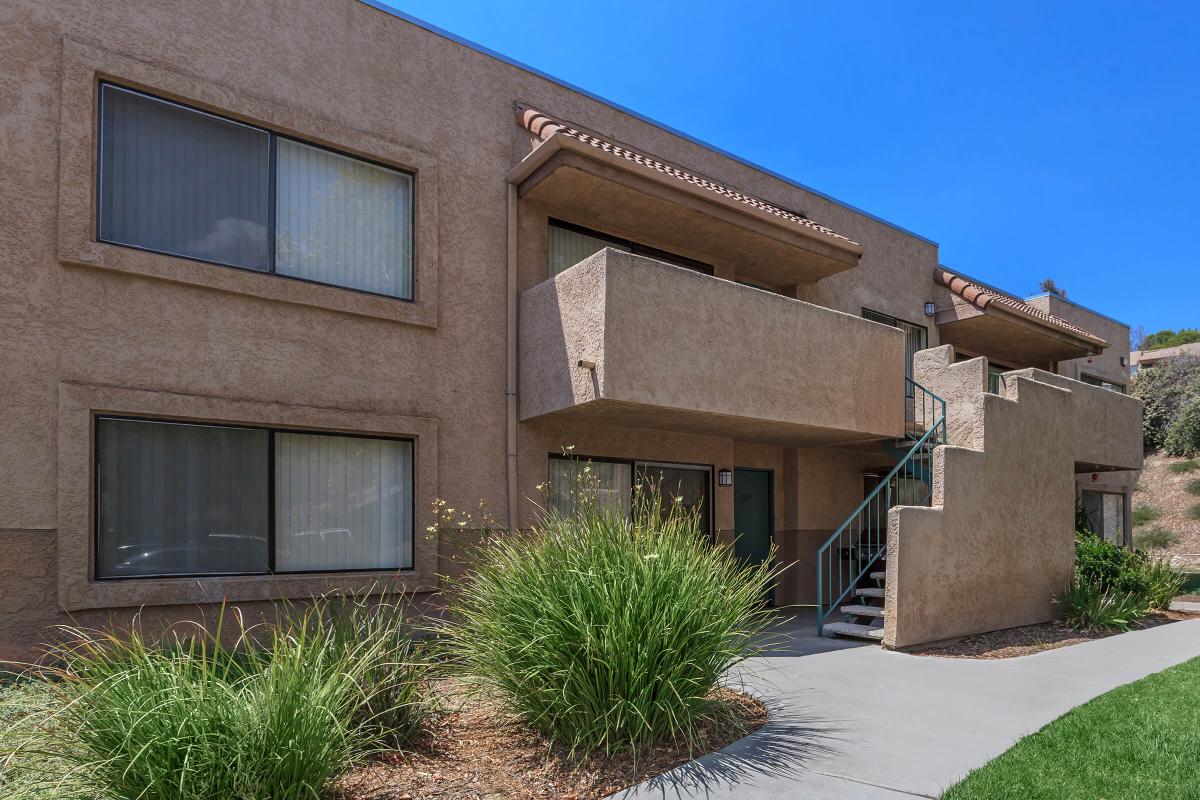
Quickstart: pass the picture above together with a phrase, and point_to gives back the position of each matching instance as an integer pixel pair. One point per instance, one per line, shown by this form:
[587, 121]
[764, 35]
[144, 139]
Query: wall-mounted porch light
[930, 309]
[725, 477]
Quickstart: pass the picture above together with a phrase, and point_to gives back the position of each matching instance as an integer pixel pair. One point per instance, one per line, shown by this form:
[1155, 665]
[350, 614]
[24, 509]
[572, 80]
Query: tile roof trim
[982, 296]
[545, 127]
[512, 62]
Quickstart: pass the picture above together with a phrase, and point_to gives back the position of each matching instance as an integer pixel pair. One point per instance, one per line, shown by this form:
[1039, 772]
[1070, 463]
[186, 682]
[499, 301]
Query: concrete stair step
[857, 631]
[863, 611]
[879, 576]
[869, 592]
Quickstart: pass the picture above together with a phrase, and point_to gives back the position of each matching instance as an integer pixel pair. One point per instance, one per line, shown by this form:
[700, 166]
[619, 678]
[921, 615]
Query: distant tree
[1048, 285]
[1137, 338]
[1168, 338]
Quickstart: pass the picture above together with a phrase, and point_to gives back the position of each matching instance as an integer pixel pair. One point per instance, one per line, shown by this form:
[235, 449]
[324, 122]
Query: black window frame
[271, 521]
[272, 176]
[637, 248]
[710, 497]
[1101, 383]
[881, 318]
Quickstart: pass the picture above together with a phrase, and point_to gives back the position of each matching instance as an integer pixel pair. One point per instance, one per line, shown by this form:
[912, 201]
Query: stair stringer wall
[997, 544]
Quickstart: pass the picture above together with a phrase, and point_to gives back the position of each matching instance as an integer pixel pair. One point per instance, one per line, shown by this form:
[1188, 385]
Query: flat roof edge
[1079, 306]
[487, 51]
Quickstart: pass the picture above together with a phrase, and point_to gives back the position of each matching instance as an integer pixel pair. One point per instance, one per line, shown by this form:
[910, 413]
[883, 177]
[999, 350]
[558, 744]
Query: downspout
[510, 389]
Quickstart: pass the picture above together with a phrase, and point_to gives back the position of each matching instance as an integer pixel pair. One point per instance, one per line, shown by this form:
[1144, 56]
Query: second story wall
[1112, 365]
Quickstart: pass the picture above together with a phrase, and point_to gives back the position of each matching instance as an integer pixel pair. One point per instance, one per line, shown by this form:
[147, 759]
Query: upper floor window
[188, 183]
[915, 338]
[1094, 381]
[569, 244]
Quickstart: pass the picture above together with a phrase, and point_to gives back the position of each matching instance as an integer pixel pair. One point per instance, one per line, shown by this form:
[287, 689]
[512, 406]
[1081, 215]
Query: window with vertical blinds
[573, 480]
[343, 221]
[177, 499]
[184, 182]
[569, 244]
[342, 503]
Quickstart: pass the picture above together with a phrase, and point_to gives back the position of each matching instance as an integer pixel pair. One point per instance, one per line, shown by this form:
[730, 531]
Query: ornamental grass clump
[608, 630]
[278, 714]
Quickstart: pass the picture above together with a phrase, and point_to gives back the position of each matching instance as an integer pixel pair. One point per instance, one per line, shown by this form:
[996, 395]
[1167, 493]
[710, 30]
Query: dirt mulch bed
[474, 751]
[1030, 639]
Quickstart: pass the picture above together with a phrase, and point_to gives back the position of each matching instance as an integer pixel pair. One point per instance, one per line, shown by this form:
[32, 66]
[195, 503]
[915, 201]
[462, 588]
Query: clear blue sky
[1029, 140]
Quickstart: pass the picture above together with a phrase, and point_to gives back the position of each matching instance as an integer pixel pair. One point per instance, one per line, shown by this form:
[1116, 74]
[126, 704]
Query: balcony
[1104, 426]
[626, 340]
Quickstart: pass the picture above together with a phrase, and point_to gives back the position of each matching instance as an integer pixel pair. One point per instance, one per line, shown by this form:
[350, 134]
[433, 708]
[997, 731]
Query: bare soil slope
[1165, 490]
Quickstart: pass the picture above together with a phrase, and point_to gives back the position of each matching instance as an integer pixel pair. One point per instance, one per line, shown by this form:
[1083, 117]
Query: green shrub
[1193, 488]
[1109, 566]
[1156, 538]
[1163, 584]
[1144, 514]
[1164, 391]
[1193, 511]
[607, 631]
[1183, 434]
[1181, 467]
[1089, 608]
[277, 715]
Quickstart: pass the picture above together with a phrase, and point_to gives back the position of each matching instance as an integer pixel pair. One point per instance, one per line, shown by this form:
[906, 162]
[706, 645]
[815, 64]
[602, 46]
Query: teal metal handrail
[851, 550]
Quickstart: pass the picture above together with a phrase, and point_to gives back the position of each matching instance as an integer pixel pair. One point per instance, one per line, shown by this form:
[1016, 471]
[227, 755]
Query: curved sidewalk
[857, 721]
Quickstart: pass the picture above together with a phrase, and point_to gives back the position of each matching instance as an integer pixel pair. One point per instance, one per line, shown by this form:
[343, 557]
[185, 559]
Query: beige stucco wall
[998, 545]
[693, 351]
[1107, 365]
[1104, 427]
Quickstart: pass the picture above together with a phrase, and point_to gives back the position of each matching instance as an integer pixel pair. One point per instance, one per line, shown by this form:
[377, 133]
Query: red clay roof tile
[544, 126]
[981, 296]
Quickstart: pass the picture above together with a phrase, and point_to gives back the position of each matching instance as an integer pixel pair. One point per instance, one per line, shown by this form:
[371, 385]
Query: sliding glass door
[612, 482]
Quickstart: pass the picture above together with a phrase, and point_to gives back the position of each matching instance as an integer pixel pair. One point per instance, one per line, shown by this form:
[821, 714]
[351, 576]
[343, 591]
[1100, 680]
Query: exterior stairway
[866, 611]
[851, 572]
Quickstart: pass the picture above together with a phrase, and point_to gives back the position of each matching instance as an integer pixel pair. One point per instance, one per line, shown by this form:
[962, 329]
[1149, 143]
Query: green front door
[752, 514]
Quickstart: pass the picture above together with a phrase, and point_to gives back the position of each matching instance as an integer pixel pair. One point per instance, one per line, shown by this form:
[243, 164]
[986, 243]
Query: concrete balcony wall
[676, 349]
[1104, 426]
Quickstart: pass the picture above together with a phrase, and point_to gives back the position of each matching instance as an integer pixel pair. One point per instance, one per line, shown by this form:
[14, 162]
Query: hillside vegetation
[1170, 394]
[1157, 341]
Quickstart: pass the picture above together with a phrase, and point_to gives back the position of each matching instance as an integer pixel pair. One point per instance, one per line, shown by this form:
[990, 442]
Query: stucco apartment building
[277, 275]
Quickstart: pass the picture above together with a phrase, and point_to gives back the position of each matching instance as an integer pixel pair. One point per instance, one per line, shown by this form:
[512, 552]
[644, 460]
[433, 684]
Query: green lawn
[1138, 741]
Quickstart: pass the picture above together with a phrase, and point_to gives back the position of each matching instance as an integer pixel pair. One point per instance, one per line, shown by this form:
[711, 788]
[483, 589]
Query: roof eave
[559, 141]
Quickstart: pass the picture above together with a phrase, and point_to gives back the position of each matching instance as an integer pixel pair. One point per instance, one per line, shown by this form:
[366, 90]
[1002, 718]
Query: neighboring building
[279, 275]
[1141, 359]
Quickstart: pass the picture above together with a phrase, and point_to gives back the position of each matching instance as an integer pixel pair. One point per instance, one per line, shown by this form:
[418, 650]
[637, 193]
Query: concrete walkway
[858, 721]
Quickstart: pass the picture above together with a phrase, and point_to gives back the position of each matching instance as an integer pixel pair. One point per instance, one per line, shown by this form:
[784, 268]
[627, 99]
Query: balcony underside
[625, 414]
[1007, 338]
[584, 186]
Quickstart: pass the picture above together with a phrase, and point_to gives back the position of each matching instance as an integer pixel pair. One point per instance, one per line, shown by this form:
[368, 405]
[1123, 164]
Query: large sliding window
[184, 182]
[179, 499]
[1106, 514]
[569, 244]
[612, 481]
[916, 337]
